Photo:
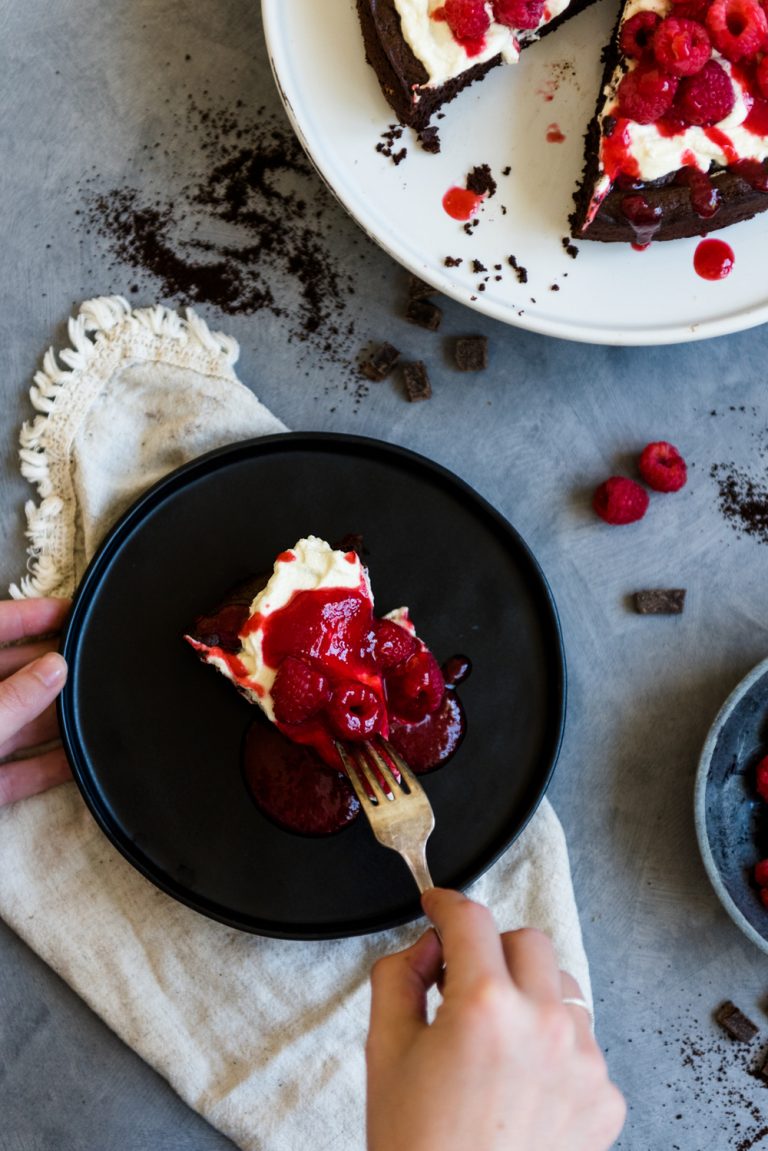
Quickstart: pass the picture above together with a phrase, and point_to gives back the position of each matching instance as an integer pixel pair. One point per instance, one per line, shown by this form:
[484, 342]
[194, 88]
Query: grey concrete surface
[99, 96]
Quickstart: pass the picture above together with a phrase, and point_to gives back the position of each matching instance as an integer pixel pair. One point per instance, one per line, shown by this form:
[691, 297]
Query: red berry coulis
[713, 259]
[461, 204]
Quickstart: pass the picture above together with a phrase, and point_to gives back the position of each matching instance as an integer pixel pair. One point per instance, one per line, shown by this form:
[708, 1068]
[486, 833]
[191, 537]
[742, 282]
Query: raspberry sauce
[461, 204]
[554, 135]
[293, 788]
[713, 259]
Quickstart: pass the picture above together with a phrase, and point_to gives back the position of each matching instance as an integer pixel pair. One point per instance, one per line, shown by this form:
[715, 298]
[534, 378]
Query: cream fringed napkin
[263, 1037]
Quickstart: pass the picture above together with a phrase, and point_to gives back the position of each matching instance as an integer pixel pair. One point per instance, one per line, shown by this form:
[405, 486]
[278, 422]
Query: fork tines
[377, 766]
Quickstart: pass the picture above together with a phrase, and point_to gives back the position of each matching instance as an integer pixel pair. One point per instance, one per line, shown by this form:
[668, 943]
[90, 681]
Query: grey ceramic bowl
[731, 820]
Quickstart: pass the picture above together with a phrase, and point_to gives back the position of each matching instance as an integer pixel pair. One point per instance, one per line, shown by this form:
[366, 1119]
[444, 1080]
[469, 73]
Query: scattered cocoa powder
[743, 500]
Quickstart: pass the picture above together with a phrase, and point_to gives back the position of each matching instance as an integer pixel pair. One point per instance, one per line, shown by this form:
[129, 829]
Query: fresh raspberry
[620, 501]
[761, 778]
[637, 32]
[681, 46]
[522, 14]
[355, 710]
[467, 19]
[299, 691]
[394, 645]
[662, 467]
[416, 689]
[738, 28]
[705, 98]
[646, 93]
[761, 873]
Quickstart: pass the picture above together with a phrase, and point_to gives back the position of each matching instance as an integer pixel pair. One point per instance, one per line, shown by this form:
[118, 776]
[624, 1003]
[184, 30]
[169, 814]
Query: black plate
[154, 737]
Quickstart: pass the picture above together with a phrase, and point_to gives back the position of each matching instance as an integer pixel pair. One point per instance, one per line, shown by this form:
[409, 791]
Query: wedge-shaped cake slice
[679, 140]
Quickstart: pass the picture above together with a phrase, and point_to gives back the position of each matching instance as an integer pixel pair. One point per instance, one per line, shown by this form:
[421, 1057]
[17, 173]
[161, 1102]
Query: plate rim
[100, 563]
[742, 689]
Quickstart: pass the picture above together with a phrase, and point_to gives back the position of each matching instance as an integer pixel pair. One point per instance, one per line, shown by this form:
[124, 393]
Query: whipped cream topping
[443, 57]
[311, 565]
[656, 154]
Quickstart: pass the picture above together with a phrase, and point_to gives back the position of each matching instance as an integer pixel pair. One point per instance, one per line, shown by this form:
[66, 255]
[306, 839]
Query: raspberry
[467, 19]
[416, 689]
[761, 778]
[299, 691]
[394, 645]
[662, 467]
[761, 873]
[522, 14]
[355, 710]
[738, 28]
[636, 33]
[646, 93]
[705, 98]
[681, 46]
[620, 501]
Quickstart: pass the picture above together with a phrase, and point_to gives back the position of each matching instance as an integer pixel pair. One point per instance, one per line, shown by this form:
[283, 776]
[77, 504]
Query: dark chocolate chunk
[737, 1024]
[417, 385]
[660, 601]
[379, 362]
[471, 353]
[419, 289]
[425, 314]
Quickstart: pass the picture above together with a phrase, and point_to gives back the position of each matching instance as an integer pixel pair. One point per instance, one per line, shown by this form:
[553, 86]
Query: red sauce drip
[723, 142]
[639, 247]
[669, 126]
[471, 47]
[616, 155]
[643, 218]
[554, 135]
[757, 117]
[429, 744]
[713, 259]
[286, 557]
[753, 172]
[461, 204]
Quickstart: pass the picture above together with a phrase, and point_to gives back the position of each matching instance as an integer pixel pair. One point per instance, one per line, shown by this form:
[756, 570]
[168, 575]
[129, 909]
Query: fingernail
[50, 669]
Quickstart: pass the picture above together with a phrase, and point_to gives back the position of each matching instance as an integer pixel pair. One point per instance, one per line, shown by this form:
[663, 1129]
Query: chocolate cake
[678, 144]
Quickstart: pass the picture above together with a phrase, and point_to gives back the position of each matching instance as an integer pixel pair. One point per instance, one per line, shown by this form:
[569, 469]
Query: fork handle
[417, 864]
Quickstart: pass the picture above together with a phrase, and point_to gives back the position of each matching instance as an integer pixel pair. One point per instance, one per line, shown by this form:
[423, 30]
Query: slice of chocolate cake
[424, 52]
[678, 145]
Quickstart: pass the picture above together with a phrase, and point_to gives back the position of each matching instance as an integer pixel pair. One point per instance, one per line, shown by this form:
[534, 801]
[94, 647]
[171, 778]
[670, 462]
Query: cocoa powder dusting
[243, 233]
[743, 500]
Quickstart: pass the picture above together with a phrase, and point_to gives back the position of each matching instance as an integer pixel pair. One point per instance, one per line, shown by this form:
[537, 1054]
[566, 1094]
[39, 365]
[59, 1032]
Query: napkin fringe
[105, 330]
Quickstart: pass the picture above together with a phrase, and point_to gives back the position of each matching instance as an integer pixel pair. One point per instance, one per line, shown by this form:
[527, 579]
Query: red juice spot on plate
[554, 135]
[461, 204]
[713, 259]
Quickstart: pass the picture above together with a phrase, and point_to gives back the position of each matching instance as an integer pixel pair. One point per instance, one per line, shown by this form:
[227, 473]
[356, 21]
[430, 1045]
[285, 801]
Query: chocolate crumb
[477, 266]
[425, 314]
[418, 289]
[471, 353]
[743, 500]
[570, 248]
[380, 362]
[416, 380]
[429, 139]
[660, 601]
[522, 273]
[554, 287]
[737, 1024]
[506, 171]
[452, 261]
[481, 182]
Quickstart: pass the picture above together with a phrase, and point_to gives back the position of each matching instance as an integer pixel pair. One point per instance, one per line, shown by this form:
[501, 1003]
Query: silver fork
[393, 800]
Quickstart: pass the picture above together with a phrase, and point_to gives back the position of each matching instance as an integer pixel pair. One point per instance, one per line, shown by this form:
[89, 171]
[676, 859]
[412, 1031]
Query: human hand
[505, 1066]
[32, 674]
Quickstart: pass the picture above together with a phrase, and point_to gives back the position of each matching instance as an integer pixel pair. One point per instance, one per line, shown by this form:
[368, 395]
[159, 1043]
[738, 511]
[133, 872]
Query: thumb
[399, 986]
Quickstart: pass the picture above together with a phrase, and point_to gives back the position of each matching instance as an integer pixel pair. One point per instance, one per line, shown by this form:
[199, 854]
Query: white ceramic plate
[608, 294]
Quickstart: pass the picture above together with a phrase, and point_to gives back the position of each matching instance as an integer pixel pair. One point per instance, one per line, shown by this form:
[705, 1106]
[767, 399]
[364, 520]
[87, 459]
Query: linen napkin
[263, 1037]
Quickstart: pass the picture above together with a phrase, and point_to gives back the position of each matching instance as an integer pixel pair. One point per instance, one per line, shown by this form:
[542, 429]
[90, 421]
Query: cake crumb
[521, 272]
[481, 181]
[452, 261]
